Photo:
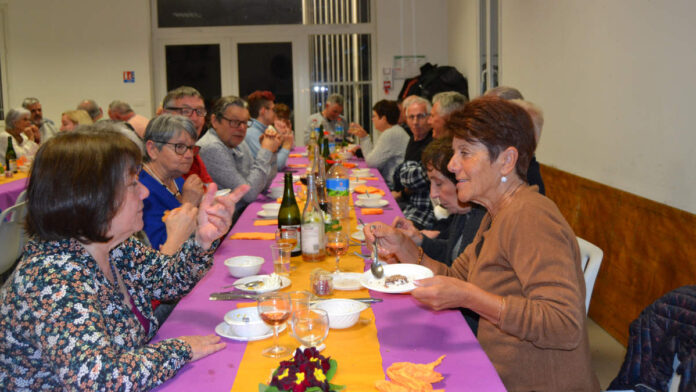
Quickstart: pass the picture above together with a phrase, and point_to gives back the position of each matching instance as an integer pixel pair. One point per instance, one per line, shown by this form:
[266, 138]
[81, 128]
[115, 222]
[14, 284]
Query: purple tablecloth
[406, 330]
[10, 191]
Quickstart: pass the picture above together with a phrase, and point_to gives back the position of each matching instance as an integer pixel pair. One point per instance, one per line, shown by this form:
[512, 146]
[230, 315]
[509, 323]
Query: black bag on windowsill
[435, 79]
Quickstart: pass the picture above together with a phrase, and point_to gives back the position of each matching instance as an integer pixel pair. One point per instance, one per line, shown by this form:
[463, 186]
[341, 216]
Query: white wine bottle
[312, 231]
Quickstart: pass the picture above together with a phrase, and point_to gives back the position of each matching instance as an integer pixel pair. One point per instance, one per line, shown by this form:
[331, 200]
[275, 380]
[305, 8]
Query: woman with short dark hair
[464, 219]
[522, 272]
[76, 312]
[388, 152]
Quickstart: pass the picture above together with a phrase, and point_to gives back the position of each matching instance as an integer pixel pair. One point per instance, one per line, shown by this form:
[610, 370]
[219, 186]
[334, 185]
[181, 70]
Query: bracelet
[420, 255]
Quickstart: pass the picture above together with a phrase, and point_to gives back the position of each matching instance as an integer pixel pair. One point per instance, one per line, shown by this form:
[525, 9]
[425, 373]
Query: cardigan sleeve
[544, 254]
[74, 340]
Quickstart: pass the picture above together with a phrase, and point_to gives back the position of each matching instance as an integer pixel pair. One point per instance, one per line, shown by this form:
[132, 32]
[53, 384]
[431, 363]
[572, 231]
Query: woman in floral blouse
[76, 312]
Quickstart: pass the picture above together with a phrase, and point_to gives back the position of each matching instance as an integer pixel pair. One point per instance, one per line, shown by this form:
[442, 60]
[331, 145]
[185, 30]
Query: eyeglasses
[181, 148]
[187, 111]
[234, 123]
[421, 116]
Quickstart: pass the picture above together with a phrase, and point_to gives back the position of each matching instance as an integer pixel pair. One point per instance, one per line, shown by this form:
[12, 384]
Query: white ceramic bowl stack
[276, 191]
[343, 313]
[242, 266]
[271, 208]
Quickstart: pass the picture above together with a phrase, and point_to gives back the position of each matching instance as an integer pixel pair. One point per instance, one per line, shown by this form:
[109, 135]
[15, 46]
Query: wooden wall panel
[649, 247]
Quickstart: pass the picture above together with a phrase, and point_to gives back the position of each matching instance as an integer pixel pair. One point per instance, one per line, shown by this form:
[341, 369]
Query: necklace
[176, 192]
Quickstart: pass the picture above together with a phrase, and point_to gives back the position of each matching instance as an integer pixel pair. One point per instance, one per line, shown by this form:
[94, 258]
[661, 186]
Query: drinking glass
[281, 258]
[310, 327]
[300, 300]
[337, 245]
[287, 235]
[274, 309]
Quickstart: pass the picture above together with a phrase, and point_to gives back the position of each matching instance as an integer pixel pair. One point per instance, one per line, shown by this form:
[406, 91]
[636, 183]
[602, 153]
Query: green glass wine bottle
[289, 219]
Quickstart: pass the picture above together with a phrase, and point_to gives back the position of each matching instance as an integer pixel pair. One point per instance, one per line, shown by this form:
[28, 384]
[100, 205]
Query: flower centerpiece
[307, 371]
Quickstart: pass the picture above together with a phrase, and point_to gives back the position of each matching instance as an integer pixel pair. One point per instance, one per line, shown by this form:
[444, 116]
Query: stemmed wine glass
[310, 327]
[274, 309]
[337, 244]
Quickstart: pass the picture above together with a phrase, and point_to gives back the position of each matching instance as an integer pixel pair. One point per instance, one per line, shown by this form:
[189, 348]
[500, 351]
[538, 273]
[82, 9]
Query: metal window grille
[340, 63]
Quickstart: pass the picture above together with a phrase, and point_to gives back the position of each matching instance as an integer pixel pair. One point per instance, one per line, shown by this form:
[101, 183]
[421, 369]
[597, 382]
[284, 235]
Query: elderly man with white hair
[411, 184]
[47, 128]
[330, 117]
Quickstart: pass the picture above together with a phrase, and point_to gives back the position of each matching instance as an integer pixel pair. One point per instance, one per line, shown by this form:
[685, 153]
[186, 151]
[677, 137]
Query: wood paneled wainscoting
[649, 247]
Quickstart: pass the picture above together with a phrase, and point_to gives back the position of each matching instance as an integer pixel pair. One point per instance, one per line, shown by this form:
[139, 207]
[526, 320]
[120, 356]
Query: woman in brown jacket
[521, 273]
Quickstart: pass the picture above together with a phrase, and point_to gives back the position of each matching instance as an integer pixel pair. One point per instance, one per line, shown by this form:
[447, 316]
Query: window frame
[229, 36]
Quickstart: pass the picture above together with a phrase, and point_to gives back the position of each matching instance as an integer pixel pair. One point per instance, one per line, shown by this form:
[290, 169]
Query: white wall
[616, 82]
[64, 51]
[463, 42]
[409, 27]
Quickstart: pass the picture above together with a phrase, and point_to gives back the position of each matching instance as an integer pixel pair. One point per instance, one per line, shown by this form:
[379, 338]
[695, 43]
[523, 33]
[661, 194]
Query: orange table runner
[15, 177]
[356, 349]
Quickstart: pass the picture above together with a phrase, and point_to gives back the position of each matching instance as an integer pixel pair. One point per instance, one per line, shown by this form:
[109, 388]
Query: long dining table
[10, 188]
[399, 328]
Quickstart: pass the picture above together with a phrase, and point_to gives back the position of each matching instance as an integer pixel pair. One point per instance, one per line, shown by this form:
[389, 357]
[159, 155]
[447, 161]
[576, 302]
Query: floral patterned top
[63, 325]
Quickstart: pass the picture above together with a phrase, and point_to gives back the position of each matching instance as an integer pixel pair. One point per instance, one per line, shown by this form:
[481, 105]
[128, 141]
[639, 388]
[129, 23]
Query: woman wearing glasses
[170, 147]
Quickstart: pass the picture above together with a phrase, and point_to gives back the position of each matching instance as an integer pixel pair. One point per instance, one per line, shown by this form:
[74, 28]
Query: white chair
[11, 235]
[591, 258]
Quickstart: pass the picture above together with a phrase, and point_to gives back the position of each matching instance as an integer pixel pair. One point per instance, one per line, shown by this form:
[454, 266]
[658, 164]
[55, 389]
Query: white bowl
[364, 172]
[343, 313]
[271, 208]
[369, 196]
[246, 322]
[276, 191]
[243, 266]
[373, 203]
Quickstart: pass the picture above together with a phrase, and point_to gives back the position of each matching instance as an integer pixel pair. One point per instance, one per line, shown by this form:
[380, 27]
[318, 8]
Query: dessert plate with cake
[398, 278]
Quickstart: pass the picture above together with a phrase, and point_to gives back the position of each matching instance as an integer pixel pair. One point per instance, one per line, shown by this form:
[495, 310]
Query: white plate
[379, 203]
[239, 284]
[411, 271]
[358, 236]
[347, 281]
[268, 214]
[225, 330]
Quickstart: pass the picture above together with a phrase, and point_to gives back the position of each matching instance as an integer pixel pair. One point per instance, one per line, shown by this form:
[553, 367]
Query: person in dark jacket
[665, 329]
[464, 219]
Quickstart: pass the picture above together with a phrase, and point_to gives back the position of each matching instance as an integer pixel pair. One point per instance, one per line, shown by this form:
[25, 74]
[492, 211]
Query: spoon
[375, 267]
[248, 285]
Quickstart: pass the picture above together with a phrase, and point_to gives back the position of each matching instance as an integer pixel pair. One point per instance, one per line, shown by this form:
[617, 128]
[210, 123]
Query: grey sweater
[387, 153]
[232, 167]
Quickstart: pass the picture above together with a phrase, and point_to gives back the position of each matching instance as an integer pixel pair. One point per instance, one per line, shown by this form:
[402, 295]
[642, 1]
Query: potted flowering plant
[307, 371]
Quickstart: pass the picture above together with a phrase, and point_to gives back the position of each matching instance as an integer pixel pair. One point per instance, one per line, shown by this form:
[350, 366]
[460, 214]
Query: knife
[230, 295]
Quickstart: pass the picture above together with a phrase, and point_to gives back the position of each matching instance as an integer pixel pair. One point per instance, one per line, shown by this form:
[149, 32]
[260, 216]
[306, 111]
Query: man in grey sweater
[227, 156]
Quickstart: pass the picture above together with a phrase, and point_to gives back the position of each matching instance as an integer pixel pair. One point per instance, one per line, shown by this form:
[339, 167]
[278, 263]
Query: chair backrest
[11, 235]
[22, 197]
[591, 258]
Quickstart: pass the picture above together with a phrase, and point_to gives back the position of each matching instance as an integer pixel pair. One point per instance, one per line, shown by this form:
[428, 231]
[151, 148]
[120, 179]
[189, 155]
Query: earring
[503, 179]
